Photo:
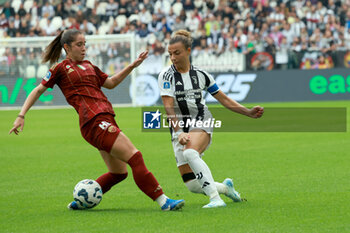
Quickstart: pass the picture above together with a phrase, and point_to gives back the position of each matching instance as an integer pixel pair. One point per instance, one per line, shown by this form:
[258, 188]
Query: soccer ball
[87, 193]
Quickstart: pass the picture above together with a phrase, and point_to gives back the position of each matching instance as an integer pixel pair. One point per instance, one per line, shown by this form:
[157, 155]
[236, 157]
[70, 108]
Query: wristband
[21, 116]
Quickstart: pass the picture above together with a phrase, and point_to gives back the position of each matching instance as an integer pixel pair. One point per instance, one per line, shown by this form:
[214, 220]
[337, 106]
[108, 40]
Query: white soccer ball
[87, 193]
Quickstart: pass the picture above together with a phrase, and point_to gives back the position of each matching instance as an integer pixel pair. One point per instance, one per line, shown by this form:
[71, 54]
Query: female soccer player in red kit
[81, 82]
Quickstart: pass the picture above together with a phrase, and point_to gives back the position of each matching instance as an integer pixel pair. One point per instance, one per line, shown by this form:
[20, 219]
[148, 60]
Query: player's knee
[190, 154]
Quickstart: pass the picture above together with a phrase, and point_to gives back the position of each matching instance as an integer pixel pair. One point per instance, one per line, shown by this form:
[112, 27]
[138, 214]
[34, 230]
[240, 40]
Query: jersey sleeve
[211, 85]
[102, 76]
[165, 83]
[52, 76]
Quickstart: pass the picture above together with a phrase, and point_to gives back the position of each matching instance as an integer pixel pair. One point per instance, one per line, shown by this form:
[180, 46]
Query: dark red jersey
[80, 83]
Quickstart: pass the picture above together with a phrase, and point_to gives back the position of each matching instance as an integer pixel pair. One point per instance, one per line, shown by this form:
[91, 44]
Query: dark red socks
[108, 180]
[144, 179]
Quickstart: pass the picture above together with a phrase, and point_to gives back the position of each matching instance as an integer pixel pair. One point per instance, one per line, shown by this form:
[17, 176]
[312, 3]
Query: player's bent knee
[190, 154]
[194, 186]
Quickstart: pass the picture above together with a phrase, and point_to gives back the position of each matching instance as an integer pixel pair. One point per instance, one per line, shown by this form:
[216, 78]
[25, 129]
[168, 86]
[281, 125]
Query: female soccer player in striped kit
[81, 82]
[181, 87]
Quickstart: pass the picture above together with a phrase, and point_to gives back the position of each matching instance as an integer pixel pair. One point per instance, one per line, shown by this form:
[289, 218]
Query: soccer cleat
[73, 206]
[232, 193]
[171, 204]
[215, 204]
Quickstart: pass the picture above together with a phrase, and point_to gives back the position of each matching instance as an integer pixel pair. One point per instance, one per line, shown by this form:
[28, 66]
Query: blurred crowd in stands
[271, 34]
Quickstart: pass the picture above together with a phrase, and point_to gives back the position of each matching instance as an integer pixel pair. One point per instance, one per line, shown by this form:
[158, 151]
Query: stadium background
[259, 51]
[295, 40]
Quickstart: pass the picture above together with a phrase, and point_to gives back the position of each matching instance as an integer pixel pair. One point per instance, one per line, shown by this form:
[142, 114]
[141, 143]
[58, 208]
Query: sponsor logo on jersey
[151, 120]
[67, 67]
[81, 67]
[70, 70]
[166, 85]
[47, 76]
[178, 83]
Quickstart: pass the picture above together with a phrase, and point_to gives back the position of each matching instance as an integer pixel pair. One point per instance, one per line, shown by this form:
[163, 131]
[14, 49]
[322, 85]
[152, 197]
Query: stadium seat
[16, 4]
[177, 7]
[110, 21]
[103, 29]
[101, 8]
[30, 72]
[121, 20]
[198, 3]
[67, 23]
[57, 22]
[42, 70]
[90, 4]
[2, 51]
[151, 39]
[134, 17]
[43, 23]
[27, 5]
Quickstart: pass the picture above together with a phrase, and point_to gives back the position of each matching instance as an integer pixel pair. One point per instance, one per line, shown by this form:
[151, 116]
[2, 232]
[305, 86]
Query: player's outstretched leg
[204, 178]
[148, 184]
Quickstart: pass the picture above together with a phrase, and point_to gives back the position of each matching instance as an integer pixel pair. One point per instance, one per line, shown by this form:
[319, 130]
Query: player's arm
[168, 103]
[28, 103]
[234, 106]
[116, 79]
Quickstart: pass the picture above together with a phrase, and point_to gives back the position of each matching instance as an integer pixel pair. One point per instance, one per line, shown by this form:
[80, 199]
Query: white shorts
[179, 149]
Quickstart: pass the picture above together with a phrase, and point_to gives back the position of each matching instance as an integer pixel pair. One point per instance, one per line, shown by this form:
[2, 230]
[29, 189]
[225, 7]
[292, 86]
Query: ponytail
[53, 51]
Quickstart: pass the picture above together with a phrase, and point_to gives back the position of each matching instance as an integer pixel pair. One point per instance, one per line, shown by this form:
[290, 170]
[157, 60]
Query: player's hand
[184, 138]
[256, 112]
[19, 123]
[140, 59]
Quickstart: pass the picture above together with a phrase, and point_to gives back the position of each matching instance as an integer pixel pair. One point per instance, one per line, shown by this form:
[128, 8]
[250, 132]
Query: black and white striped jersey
[187, 90]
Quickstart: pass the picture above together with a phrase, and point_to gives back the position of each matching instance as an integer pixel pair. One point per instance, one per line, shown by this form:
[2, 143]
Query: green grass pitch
[294, 182]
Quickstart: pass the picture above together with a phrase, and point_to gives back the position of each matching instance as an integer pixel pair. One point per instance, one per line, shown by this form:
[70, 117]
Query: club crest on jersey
[70, 70]
[67, 67]
[112, 129]
[194, 79]
[47, 76]
[81, 67]
[166, 85]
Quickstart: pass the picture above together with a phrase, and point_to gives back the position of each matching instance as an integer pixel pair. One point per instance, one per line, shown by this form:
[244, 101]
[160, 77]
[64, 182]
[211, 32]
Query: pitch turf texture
[294, 182]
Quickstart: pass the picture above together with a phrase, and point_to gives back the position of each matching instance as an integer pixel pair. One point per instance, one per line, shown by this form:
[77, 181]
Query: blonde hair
[182, 36]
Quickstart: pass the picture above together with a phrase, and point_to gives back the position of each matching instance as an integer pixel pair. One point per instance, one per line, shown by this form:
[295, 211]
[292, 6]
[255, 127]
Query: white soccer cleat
[215, 204]
[232, 193]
